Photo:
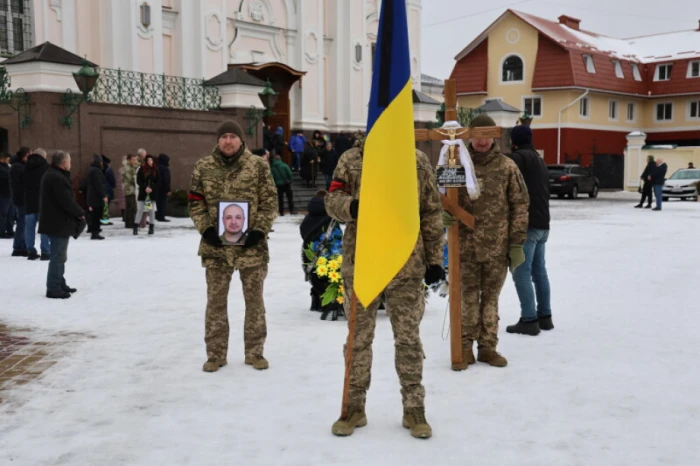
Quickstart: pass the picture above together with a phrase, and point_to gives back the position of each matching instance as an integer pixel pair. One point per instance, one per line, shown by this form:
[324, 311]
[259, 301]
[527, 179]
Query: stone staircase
[302, 194]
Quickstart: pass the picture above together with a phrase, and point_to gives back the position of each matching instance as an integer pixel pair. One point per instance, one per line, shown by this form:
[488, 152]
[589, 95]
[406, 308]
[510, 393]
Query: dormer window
[663, 72]
[512, 69]
[618, 69]
[694, 69]
[635, 72]
[590, 66]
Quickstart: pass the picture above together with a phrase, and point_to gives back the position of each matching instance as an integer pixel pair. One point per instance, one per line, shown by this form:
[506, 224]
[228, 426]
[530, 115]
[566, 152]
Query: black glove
[253, 238]
[212, 238]
[354, 207]
[434, 274]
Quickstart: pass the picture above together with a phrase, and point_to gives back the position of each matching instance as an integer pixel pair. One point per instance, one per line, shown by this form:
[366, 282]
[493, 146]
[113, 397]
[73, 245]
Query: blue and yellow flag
[388, 222]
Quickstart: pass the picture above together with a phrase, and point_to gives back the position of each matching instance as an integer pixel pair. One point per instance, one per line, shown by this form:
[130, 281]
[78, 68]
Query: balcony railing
[117, 86]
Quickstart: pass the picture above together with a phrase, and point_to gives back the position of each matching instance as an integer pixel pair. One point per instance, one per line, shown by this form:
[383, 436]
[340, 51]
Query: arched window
[512, 69]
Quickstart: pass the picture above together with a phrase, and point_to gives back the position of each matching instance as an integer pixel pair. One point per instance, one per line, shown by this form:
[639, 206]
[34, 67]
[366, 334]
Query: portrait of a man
[233, 222]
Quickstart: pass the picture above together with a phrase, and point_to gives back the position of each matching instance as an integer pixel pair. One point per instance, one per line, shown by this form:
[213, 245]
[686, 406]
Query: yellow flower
[333, 265]
[339, 260]
[340, 299]
[334, 277]
[322, 261]
[341, 289]
[321, 270]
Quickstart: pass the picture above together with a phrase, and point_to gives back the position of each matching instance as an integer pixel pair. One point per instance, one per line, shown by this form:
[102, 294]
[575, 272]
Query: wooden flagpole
[348, 354]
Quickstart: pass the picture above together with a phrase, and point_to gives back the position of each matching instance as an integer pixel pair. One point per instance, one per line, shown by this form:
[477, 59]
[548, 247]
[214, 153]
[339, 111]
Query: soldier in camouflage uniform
[128, 173]
[497, 240]
[231, 173]
[404, 295]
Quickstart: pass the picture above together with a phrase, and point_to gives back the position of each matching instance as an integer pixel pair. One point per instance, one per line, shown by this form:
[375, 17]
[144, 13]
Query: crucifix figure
[453, 176]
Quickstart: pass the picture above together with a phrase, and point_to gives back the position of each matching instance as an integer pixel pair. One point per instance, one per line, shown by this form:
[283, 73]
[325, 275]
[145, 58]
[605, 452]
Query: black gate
[610, 170]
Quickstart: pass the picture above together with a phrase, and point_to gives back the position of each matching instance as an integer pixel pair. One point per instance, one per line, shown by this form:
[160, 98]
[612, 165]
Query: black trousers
[94, 216]
[130, 212]
[283, 189]
[162, 207]
[646, 192]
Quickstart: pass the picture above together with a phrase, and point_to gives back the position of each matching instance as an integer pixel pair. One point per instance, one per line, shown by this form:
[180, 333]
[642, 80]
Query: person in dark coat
[535, 314]
[59, 218]
[342, 143]
[658, 178]
[279, 141]
[164, 188]
[647, 185]
[329, 160]
[268, 139]
[282, 176]
[34, 170]
[6, 213]
[19, 247]
[93, 188]
[309, 164]
[148, 182]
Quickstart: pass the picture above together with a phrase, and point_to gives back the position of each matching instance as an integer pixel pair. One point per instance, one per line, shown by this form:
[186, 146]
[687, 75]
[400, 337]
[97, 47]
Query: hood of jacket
[35, 161]
[164, 159]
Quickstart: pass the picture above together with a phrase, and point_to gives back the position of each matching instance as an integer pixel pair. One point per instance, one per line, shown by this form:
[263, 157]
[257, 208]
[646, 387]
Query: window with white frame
[512, 69]
[584, 108]
[635, 72]
[694, 69]
[663, 72]
[664, 111]
[15, 27]
[533, 106]
[631, 111]
[612, 110]
[694, 110]
[618, 69]
[590, 66]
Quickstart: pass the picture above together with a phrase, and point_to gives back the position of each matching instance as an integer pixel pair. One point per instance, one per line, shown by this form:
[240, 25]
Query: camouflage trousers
[216, 329]
[405, 304]
[481, 285]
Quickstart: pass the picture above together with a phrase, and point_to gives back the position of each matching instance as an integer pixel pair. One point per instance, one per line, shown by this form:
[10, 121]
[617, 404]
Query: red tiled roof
[471, 74]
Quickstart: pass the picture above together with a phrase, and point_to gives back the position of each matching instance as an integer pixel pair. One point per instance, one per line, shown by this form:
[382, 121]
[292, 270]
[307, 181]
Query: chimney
[573, 23]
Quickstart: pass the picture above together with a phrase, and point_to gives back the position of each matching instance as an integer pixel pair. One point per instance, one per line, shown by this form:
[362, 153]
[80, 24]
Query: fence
[117, 86]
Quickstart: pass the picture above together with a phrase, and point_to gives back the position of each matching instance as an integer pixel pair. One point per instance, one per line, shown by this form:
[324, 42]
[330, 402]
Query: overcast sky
[449, 25]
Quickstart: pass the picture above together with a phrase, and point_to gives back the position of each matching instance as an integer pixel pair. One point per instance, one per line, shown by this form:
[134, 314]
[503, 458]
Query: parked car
[571, 180]
[682, 185]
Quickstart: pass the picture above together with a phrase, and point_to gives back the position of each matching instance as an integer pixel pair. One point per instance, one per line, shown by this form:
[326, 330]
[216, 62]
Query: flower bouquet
[323, 259]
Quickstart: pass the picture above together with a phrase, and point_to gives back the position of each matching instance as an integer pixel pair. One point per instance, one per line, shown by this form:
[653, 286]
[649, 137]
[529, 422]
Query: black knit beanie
[229, 126]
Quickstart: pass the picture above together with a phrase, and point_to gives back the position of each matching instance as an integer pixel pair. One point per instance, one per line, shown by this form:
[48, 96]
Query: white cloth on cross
[464, 159]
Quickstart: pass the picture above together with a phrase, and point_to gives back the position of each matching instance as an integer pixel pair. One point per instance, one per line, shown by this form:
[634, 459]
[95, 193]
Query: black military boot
[545, 323]
[150, 229]
[525, 328]
[136, 229]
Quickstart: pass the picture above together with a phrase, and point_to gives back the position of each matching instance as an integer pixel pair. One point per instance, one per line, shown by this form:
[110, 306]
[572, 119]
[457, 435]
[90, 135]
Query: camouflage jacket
[501, 211]
[346, 187]
[246, 179]
[128, 179]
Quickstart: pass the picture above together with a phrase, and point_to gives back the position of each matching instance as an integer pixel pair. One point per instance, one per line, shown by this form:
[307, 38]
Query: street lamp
[268, 97]
[86, 79]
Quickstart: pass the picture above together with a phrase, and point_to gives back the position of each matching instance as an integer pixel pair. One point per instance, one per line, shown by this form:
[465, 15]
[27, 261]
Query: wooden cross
[451, 204]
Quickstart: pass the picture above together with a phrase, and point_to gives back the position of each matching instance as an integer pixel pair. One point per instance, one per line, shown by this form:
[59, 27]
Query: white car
[682, 185]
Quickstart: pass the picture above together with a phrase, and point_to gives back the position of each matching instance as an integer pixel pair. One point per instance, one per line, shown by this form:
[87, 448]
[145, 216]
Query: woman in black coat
[148, 182]
[647, 184]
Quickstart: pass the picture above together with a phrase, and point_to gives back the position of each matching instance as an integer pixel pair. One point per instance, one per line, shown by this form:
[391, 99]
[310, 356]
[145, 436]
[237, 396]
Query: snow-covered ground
[616, 383]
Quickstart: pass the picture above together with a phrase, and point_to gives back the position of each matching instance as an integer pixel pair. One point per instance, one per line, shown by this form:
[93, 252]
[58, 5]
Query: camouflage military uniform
[501, 220]
[404, 295]
[247, 178]
[129, 187]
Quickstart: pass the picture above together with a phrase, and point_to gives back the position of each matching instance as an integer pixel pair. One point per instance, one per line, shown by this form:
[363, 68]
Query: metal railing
[117, 86]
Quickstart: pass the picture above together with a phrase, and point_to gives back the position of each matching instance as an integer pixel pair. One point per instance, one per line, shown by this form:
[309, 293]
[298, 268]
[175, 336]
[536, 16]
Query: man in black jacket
[7, 220]
[658, 178]
[93, 188]
[164, 188]
[59, 218]
[19, 248]
[34, 170]
[534, 316]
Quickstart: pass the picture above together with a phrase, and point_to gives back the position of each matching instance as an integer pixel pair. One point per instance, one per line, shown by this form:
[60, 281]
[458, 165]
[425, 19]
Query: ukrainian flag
[388, 221]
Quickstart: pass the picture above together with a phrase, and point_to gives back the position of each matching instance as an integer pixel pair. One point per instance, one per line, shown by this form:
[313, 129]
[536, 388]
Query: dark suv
[568, 179]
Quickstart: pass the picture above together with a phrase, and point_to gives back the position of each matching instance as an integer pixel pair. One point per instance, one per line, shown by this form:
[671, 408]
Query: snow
[616, 383]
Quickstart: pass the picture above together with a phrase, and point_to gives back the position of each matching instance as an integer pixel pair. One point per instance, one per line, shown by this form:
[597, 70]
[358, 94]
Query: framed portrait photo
[233, 222]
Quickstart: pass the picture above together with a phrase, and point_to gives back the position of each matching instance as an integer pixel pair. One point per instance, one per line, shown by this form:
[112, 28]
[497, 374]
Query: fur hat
[229, 126]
